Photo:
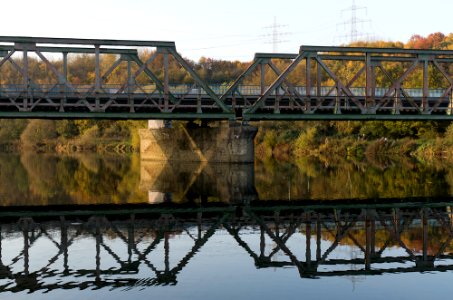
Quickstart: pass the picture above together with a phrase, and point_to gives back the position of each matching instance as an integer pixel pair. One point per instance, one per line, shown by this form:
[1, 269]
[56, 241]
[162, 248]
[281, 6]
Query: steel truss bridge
[360, 96]
[137, 234]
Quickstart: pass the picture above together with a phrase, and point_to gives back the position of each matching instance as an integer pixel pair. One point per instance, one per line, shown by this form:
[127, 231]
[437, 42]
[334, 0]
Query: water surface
[112, 226]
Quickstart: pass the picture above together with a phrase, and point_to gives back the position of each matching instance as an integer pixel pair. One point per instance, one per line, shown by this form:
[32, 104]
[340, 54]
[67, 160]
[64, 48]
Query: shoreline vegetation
[280, 141]
[356, 140]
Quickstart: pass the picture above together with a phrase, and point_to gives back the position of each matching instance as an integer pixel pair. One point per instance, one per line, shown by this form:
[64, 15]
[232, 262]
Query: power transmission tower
[351, 25]
[275, 35]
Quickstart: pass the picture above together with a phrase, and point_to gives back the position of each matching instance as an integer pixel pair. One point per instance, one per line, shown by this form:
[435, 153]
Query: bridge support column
[227, 142]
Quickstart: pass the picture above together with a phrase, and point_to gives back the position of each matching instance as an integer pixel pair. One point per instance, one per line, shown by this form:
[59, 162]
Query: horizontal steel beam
[5, 49]
[346, 117]
[73, 41]
[348, 57]
[379, 58]
[275, 55]
[327, 49]
[116, 116]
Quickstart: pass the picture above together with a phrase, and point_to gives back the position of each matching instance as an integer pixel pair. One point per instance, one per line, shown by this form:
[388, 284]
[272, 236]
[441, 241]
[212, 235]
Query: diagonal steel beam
[6, 58]
[153, 77]
[290, 86]
[280, 79]
[241, 77]
[198, 80]
[397, 83]
[342, 87]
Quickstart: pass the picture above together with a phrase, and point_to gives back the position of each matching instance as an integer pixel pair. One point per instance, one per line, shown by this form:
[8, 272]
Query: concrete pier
[226, 142]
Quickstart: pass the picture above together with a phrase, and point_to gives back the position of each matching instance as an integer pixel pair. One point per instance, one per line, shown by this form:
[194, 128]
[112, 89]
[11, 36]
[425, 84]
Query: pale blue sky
[231, 29]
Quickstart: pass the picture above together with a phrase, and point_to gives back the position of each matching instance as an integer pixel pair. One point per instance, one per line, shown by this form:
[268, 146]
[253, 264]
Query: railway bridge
[317, 83]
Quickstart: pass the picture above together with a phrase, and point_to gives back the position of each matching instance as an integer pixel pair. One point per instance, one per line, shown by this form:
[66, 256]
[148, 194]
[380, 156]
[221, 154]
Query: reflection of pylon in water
[354, 267]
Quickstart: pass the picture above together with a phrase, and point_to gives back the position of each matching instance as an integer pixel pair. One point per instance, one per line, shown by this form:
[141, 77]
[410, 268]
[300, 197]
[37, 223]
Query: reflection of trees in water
[90, 178]
[335, 178]
[13, 179]
[45, 179]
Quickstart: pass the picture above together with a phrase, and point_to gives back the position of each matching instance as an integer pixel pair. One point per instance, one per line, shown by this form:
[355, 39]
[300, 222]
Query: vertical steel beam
[130, 85]
[397, 101]
[65, 67]
[25, 233]
[166, 82]
[262, 242]
[98, 79]
[425, 85]
[63, 88]
[98, 249]
[308, 83]
[129, 77]
[425, 234]
[318, 80]
[167, 252]
[64, 242]
[318, 238]
[263, 77]
[130, 238]
[368, 242]
[337, 109]
[26, 80]
[373, 235]
[308, 243]
[369, 90]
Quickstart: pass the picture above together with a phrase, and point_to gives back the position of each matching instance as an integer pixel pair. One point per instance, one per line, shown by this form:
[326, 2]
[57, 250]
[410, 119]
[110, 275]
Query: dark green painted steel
[275, 55]
[116, 116]
[255, 206]
[72, 41]
[85, 50]
[346, 117]
[327, 49]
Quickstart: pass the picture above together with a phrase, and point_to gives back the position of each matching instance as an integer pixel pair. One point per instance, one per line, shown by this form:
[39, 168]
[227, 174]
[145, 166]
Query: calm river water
[107, 226]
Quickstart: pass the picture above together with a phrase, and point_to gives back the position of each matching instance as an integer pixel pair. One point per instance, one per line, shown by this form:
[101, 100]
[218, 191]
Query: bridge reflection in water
[134, 246]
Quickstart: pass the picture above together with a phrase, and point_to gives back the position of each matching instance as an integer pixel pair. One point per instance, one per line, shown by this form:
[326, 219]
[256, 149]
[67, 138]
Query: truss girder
[317, 83]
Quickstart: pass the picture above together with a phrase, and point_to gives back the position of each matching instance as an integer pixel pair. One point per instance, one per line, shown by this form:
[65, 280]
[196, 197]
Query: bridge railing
[58, 90]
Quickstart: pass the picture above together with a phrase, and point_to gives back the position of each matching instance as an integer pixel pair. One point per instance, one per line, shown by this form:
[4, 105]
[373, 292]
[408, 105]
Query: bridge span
[311, 84]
